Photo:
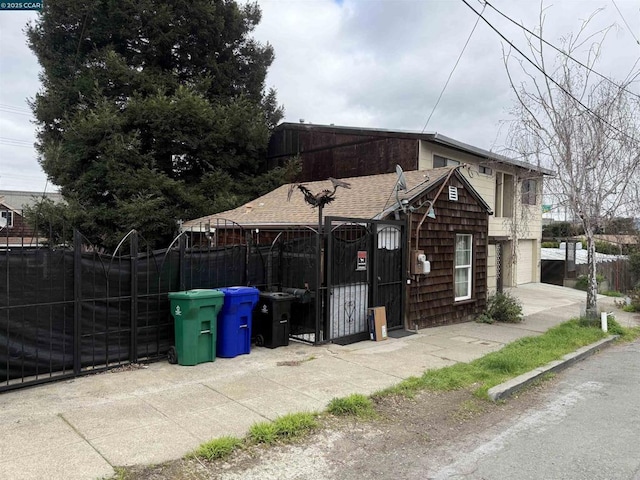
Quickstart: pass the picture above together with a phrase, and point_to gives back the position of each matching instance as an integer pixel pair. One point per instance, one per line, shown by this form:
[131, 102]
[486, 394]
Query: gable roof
[433, 137]
[371, 196]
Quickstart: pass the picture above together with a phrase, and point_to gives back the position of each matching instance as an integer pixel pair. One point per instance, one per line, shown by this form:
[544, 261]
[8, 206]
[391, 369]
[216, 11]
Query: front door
[365, 268]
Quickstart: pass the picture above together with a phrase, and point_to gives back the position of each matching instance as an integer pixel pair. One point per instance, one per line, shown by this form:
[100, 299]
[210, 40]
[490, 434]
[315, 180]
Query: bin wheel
[259, 340]
[172, 355]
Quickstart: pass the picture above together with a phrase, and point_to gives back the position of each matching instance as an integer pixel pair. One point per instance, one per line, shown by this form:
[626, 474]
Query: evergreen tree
[151, 111]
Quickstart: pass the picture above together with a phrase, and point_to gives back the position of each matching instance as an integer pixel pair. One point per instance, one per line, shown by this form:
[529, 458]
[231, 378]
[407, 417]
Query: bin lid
[277, 295]
[196, 293]
[232, 291]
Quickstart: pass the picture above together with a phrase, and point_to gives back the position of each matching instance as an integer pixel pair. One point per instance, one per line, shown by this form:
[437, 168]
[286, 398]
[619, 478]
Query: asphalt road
[588, 427]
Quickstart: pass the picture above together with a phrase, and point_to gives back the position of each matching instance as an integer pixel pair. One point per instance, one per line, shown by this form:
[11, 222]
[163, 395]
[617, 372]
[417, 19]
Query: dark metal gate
[292, 268]
[365, 266]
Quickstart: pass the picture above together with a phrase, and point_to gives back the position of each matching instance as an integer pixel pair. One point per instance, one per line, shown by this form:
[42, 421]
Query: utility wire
[16, 141]
[17, 146]
[625, 22]
[551, 79]
[12, 107]
[453, 70]
[15, 112]
[562, 51]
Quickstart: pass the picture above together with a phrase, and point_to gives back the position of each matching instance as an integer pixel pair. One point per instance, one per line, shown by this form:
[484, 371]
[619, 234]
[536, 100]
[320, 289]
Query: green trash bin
[195, 314]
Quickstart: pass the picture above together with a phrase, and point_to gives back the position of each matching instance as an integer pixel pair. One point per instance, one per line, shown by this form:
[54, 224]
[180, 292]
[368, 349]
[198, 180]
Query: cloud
[384, 63]
[370, 63]
[19, 168]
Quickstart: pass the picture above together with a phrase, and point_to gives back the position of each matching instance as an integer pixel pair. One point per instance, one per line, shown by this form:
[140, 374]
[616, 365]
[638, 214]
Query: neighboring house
[558, 268]
[512, 189]
[623, 242]
[14, 230]
[453, 235]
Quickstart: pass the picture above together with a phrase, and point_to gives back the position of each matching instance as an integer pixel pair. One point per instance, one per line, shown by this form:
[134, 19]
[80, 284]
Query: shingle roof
[368, 197]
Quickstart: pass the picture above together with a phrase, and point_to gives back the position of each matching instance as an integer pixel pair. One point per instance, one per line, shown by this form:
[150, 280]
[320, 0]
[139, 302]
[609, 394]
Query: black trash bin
[303, 311]
[271, 319]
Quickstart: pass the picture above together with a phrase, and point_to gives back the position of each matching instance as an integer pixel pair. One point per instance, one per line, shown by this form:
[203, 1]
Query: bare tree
[583, 126]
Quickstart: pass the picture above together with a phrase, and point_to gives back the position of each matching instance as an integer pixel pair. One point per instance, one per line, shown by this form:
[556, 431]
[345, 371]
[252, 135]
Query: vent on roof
[453, 194]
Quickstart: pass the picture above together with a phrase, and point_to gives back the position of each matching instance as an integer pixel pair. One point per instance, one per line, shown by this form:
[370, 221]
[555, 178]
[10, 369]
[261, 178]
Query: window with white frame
[463, 269]
[7, 218]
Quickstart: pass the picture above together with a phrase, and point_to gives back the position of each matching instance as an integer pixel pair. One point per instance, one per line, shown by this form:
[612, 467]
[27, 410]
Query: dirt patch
[410, 437]
[127, 368]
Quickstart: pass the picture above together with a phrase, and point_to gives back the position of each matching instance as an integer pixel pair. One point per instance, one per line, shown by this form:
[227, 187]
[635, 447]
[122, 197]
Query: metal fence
[67, 310]
[70, 308]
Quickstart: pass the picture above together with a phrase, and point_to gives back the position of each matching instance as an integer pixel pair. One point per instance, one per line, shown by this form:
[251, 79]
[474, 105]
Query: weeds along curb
[508, 388]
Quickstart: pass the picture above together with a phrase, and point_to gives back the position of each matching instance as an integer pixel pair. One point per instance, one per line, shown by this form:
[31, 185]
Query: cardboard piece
[377, 319]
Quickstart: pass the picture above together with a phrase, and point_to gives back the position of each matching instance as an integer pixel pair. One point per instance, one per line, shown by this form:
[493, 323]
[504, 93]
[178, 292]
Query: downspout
[432, 202]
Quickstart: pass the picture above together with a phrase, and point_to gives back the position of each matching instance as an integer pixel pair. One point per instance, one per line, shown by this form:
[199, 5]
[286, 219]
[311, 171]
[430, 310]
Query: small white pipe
[603, 321]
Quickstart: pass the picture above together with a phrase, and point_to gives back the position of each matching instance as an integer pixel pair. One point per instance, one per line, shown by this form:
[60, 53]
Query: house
[564, 267]
[511, 188]
[14, 229]
[419, 240]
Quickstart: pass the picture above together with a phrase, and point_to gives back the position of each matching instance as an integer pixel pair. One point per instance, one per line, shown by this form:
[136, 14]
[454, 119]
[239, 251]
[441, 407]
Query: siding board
[431, 297]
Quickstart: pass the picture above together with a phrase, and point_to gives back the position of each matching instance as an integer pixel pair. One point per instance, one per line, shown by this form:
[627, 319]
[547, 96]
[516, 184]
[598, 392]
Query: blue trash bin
[234, 321]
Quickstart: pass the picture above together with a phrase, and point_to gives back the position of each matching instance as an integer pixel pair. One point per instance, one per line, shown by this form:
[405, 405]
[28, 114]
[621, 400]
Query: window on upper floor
[529, 192]
[504, 195]
[483, 169]
[463, 267]
[439, 161]
[7, 218]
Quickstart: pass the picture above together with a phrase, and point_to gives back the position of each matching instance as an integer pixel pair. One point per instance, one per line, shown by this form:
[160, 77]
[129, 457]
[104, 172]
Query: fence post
[133, 346]
[322, 315]
[181, 267]
[77, 301]
[373, 275]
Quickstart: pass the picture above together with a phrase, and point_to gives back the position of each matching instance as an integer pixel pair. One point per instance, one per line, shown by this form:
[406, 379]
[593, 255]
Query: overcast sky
[367, 63]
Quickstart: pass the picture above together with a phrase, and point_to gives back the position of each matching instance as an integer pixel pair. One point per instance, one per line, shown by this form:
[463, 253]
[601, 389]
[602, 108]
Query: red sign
[362, 261]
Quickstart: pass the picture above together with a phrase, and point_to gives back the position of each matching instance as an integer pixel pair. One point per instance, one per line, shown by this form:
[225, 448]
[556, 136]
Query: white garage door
[525, 261]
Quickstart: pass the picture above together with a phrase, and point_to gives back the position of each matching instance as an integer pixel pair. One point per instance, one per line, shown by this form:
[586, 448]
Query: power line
[12, 107]
[560, 50]
[14, 139]
[551, 79]
[8, 142]
[453, 70]
[625, 22]
[12, 145]
[10, 175]
[15, 112]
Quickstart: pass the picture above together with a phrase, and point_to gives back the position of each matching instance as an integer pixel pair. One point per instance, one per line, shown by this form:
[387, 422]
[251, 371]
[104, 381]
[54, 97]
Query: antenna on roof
[401, 184]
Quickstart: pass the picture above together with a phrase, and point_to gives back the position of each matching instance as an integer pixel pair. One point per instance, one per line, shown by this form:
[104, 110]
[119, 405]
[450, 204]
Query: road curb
[508, 388]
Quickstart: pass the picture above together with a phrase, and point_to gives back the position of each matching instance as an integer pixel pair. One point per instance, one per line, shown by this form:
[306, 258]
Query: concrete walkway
[80, 429]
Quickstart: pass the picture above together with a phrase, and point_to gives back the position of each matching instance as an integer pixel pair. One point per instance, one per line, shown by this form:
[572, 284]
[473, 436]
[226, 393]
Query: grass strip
[512, 360]
[217, 448]
[356, 405]
[285, 428]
